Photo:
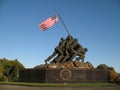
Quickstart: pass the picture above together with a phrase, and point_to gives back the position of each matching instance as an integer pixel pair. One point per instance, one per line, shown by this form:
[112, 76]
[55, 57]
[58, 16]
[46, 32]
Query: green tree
[11, 68]
[113, 77]
[118, 78]
[102, 66]
[111, 68]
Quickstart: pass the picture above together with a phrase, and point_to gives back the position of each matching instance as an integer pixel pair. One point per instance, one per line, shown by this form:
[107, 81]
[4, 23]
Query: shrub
[114, 77]
[102, 66]
[3, 78]
[118, 78]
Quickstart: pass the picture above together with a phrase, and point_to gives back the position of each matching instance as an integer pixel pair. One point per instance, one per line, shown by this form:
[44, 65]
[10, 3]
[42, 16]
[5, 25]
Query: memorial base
[63, 75]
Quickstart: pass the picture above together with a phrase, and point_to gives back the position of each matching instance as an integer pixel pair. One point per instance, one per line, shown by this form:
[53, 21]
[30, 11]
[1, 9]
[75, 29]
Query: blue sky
[96, 23]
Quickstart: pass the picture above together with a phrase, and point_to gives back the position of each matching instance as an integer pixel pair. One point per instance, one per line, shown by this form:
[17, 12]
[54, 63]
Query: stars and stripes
[48, 22]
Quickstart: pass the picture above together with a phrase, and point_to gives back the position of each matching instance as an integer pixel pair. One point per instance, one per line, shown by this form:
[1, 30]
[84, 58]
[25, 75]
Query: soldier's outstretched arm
[50, 57]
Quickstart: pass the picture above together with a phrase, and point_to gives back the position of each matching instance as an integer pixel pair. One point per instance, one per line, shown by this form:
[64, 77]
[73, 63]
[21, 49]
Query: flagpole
[63, 23]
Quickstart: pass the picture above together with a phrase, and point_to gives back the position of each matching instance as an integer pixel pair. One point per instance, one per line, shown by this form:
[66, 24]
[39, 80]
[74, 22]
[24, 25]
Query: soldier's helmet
[76, 39]
[86, 49]
[62, 39]
[69, 37]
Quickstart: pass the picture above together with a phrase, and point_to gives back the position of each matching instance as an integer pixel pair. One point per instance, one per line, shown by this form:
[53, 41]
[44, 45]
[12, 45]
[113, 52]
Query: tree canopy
[105, 67]
[113, 77]
[10, 68]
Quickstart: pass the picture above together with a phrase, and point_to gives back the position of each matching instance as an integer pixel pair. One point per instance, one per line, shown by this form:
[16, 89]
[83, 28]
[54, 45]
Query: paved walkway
[12, 87]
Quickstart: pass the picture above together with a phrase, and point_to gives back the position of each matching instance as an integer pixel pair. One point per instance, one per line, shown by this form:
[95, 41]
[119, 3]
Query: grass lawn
[59, 84]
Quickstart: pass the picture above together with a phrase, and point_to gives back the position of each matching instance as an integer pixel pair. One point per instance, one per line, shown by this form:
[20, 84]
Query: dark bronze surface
[67, 50]
[63, 75]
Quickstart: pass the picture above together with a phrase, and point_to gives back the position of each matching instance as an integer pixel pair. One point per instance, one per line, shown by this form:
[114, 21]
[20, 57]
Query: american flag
[48, 22]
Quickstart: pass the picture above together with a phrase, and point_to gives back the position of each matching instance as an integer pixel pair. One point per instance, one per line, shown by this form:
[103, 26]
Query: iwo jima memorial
[65, 65]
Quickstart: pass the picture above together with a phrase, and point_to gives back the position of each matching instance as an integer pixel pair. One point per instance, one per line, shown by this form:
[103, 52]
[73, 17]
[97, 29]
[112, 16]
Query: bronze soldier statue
[67, 50]
[80, 52]
[77, 50]
[63, 56]
[69, 40]
[58, 50]
[83, 51]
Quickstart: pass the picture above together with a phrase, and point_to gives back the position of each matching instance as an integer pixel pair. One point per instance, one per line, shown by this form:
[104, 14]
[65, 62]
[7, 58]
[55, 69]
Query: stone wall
[63, 75]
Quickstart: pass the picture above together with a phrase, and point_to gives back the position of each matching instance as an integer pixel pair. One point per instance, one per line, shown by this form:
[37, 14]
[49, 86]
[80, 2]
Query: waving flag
[48, 23]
